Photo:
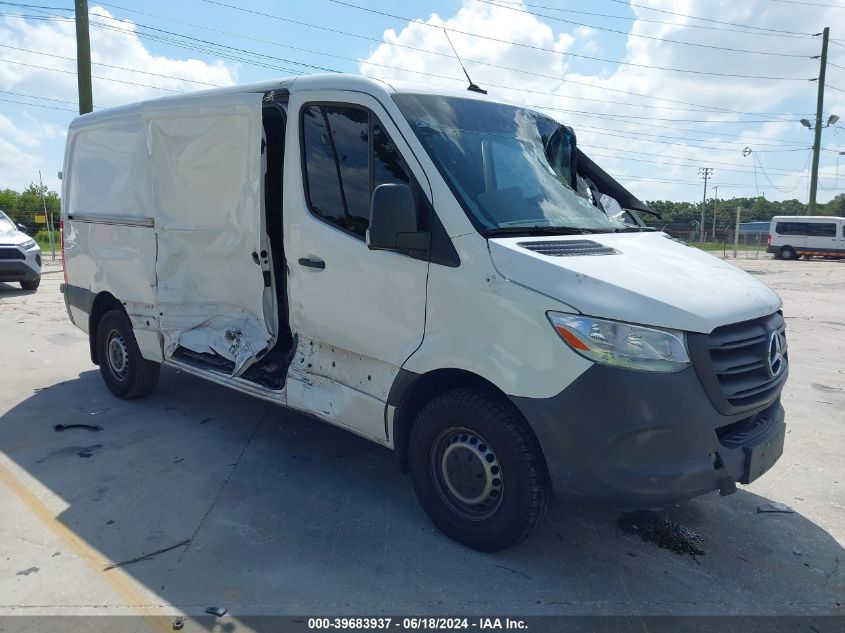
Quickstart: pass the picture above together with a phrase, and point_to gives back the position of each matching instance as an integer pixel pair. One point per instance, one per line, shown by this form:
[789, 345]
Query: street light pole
[814, 175]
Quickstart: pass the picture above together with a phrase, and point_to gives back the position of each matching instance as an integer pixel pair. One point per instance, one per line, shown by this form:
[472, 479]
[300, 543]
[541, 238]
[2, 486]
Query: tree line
[28, 201]
[756, 209]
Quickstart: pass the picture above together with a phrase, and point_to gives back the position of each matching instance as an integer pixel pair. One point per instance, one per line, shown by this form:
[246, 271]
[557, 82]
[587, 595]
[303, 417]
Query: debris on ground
[149, 556]
[88, 427]
[217, 611]
[661, 531]
[179, 622]
[774, 506]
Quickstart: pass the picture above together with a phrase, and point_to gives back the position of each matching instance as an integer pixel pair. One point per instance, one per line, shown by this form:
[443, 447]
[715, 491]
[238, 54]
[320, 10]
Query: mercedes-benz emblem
[775, 354]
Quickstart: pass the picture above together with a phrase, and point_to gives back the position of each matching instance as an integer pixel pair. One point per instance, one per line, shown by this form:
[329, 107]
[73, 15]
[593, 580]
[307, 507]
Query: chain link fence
[751, 244]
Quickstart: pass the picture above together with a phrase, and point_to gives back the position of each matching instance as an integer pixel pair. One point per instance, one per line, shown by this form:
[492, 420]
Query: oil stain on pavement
[661, 531]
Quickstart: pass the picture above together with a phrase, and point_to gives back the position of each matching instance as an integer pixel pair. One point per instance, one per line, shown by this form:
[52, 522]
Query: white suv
[20, 255]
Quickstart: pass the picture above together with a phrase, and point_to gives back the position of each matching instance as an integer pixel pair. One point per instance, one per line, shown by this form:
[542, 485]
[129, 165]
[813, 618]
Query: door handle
[318, 264]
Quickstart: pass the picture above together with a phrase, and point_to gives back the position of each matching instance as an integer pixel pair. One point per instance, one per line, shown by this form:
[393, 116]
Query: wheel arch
[411, 392]
[103, 302]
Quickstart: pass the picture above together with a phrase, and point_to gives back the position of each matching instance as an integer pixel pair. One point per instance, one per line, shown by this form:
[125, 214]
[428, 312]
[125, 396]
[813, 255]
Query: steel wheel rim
[466, 473]
[117, 355]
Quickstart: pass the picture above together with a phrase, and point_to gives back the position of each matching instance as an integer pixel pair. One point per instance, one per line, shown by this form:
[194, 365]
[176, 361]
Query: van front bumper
[633, 439]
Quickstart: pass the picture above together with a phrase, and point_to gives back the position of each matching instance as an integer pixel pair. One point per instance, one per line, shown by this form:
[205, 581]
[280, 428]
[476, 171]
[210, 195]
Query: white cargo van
[793, 236]
[439, 272]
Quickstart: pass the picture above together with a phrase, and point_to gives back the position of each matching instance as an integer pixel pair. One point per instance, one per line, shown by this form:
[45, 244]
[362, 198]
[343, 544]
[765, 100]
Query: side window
[346, 154]
[791, 228]
[821, 230]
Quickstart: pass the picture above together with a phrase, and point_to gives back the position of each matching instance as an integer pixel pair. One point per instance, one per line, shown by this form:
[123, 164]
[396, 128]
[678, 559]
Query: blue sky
[654, 142]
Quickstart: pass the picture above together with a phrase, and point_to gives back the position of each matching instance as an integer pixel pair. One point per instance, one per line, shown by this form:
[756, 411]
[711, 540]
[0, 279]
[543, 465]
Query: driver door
[358, 313]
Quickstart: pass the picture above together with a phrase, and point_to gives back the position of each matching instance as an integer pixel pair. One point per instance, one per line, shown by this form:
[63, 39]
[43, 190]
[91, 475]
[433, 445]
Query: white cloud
[24, 133]
[574, 86]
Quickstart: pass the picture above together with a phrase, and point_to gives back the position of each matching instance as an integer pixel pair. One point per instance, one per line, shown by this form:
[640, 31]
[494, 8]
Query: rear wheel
[126, 373]
[31, 284]
[478, 470]
[786, 253]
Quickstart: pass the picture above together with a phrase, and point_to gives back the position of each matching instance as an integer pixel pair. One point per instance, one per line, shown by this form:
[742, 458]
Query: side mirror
[393, 221]
[23, 228]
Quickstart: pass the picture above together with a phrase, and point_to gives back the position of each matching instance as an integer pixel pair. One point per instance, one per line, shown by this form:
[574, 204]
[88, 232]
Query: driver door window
[347, 154]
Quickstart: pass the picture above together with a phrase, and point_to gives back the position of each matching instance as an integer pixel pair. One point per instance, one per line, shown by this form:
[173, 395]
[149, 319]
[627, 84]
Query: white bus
[791, 236]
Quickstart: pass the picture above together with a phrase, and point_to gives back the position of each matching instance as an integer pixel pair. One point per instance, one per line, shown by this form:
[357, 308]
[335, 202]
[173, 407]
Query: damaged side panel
[206, 178]
[346, 388]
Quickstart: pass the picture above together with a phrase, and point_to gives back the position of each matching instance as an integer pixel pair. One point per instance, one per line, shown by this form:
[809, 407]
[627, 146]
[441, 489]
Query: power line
[710, 20]
[133, 70]
[34, 6]
[20, 94]
[504, 87]
[467, 60]
[647, 37]
[155, 38]
[798, 182]
[549, 50]
[625, 134]
[833, 87]
[37, 105]
[810, 4]
[225, 46]
[518, 70]
[73, 72]
[685, 25]
[638, 158]
[603, 131]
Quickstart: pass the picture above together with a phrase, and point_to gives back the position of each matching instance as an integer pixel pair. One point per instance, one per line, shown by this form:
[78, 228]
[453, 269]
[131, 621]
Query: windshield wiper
[539, 230]
[635, 229]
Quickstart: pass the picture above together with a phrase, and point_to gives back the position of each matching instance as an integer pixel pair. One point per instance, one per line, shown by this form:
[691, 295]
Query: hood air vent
[568, 248]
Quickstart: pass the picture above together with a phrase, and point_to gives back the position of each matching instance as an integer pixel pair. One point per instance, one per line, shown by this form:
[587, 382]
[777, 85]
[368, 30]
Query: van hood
[645, 278]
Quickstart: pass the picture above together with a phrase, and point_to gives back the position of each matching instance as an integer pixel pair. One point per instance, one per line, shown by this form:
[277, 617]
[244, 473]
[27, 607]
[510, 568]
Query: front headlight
[27, 245]
[622, 344]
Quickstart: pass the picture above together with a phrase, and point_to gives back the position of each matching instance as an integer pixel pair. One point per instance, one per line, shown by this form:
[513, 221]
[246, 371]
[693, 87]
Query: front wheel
[126, 373]
[786, 253]
[31, 284]
[477, 470]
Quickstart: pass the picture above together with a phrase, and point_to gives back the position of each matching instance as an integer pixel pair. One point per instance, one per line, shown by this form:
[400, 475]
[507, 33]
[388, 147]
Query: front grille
[568, 248]
[11, 273]
[11, 253]
[733, 363]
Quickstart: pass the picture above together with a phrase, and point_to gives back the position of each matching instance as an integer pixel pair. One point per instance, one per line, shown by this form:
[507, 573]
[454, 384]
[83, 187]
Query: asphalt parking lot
[274, 513]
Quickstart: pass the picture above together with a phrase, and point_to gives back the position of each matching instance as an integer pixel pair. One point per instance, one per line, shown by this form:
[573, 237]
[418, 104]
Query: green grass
[43, 239]
[718, 246]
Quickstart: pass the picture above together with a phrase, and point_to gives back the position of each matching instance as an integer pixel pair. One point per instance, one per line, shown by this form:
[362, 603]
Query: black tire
[495, 440]
[31, 284]
[786, 253]
[127, 374]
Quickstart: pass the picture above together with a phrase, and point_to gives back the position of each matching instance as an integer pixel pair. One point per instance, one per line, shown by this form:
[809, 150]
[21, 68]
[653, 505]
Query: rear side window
[791, 228]
[347, 154]
[821, 230]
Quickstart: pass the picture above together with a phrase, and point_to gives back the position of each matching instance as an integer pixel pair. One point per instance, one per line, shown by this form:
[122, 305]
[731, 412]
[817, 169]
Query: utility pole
[715, 204]
[83, 58]
[704, 172]
[814, 175]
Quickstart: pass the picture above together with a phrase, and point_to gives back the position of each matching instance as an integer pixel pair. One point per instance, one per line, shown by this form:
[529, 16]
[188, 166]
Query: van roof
[326, 81]
[804, 218]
